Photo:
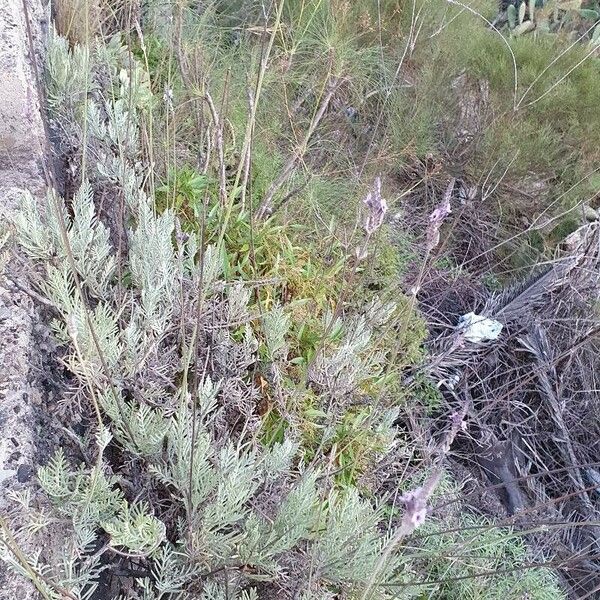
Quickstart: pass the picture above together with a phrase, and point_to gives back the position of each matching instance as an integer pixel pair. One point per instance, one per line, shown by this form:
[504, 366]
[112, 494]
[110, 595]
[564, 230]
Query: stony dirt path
[23, 151]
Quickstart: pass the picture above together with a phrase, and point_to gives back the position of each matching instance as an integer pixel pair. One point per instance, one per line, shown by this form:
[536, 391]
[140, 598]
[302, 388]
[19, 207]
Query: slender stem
[39, 581]
[266, 206]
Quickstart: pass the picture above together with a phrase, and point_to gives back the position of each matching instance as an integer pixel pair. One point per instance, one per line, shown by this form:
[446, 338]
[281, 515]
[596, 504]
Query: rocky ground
[23, 153]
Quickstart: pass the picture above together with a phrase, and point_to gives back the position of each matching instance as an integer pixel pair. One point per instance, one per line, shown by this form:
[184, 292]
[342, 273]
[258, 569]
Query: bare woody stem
[266, 207]
[219, 145]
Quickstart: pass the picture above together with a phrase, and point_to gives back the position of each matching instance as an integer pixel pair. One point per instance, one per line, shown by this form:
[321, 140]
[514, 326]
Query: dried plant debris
[532, 422]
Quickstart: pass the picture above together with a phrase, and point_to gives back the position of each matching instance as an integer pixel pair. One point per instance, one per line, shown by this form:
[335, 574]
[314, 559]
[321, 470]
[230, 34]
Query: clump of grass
[77, 20]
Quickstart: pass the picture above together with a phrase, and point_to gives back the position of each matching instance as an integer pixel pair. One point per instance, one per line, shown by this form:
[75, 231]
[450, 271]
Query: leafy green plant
[183, 191]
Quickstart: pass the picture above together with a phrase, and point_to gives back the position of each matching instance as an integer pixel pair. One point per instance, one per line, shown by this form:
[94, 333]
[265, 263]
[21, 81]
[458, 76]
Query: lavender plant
[157, 360]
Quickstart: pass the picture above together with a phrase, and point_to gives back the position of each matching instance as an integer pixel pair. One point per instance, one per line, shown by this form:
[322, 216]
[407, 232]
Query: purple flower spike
[438, 216]
[377, 208]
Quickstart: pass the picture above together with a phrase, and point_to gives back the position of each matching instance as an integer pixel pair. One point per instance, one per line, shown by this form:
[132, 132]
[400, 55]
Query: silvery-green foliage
[57, 478]
[68, 76]
[171, 571]
[85, 238]
[120, 131]
[345, 364]
[278, 460]
[210, 267]
[78, 576]
[138, 426]
[128, 77]
[220, 532]
[348, 548]
[81, 576]
[296, 519]
[4, 253]
[223, 482]
[96, 125]
[276, 326]
[134, 528]
[89, 351]
[33, 559]
[153, 266]
[39, 238]
[89, 243]
[91, 499]
[378, 313]
[174, 468]
[215, 483]
[384, 428]
[88, 497]
[237, 307]
[220, 592]
[98, 349]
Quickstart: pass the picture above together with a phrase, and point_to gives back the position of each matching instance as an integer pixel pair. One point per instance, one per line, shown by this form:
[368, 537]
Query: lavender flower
[168, 98]
[377, 208]
[438, 216]
[415, 502]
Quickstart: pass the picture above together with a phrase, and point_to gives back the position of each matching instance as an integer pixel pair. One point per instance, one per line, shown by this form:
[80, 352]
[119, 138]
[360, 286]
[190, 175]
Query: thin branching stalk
[504, 40]
[266, 207]
[90, 324]
[218, 125]
[551, 64]
[592, 52]
[416, 501]
[247, 144]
